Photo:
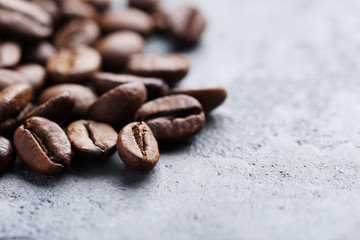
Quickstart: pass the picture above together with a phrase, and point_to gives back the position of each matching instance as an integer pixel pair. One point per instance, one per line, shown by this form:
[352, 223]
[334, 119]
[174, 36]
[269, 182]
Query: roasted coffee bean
[13, 99]
[56, 109]
[145, 5]
[9, 77]
[92, 140]
[42, 145]
[73, 65]
[137, 147]
[116, 48]
[7, 155]
[10, 54]
[76, 9]
[8, 126]
[128, 19]
[50, 6]
[104, 82]
[77, 32]
[22, 18]
[34, 74]
[174, 117]
[186, 24]
[210, 98]
[171, 68]
[39, 52]
[119, 104]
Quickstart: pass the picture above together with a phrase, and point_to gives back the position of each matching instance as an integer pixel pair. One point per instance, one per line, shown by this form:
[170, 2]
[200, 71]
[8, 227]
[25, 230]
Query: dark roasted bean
[34, 74]
[9, 77]
[7, 155]
[76, 9]
[10, 54]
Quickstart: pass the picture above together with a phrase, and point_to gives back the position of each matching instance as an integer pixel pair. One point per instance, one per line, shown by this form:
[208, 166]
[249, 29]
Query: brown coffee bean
[160, 18]
[22, 18]
[39, 52]
[171, 68]
[116, 48]
[73, 65]
[8, 126]
[35, 75]
[145, 5]
[10, 54]
[13, 99]
[104, 82]
[75, 9]
[77, 32]
[137, 147]
[42, 145]
[92, 140]
[7, 155]
[128, 19]
[174, 117]
[186, 24]
[9, 77]
[83, 96]
[119, 104]
[210, 98]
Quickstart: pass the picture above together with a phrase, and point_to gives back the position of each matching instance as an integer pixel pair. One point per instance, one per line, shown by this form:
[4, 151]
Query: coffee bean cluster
[73, 78]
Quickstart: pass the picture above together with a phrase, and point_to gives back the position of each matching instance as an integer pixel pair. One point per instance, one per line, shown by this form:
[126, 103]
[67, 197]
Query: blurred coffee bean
[119, 104]
[104, 82]
[210, 98]
[172, 118]
[7, 155]
[128, 19]
[171, 68]
[75, 9]
[24, 19]
[92, 140]
[51, 6]
[35, 75]
[116, 48]
[145, 5]
[73, 65]
[10, 77]
[39, 52]
[10, 54]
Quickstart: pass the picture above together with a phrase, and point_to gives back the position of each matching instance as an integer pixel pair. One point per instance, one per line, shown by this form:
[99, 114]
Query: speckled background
[279, 160]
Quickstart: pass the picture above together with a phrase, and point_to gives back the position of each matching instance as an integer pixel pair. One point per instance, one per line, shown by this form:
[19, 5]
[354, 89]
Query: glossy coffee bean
[35, 75]
[128, 19]
[104, 82]
[186, 24]
[77, 9]
[145, 5]
[56, 109]
[210, 98]
[137, 147]
[77, 32]
[116, 48]
[92, 140]
[171, 68]
[7, 155]
[10, 54]
[42, 145]
[13, 99]
[119, 104]
[173, 117]
[22, 18]
[73, 65]
[83, 96]
[39, 52]
[10, 77]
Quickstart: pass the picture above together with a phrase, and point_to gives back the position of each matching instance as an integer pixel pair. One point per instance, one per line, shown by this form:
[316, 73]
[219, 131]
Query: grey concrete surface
[279, 160]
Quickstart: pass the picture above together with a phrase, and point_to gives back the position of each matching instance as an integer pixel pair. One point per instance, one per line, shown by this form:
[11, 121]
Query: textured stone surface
[279, 160]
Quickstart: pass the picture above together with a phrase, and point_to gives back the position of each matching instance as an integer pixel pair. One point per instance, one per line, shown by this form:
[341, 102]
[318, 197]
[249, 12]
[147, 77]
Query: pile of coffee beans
[74, 80]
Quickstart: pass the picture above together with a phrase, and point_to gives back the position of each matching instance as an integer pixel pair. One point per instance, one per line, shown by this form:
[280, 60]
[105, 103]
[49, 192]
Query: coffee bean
[73, 65]
[145, 5]
[76, 9]
[35, 75]
[174, 117]
[92, 140]
[137, 147]
[119, 104]
[160, 18]
[42, 145]
[8, 126]
[77, 32]
[9, 77]
[116, 48]
[22, 18]
[10, 54]
[13, 99]
[104, 82]
[186, 24]
[50, 6]
[171, 68]
[128, 19]
[7, 155]
[39, 52]
[210, 98]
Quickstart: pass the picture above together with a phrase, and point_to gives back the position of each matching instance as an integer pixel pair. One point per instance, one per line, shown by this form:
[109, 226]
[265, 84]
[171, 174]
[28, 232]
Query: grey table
[279, 160]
